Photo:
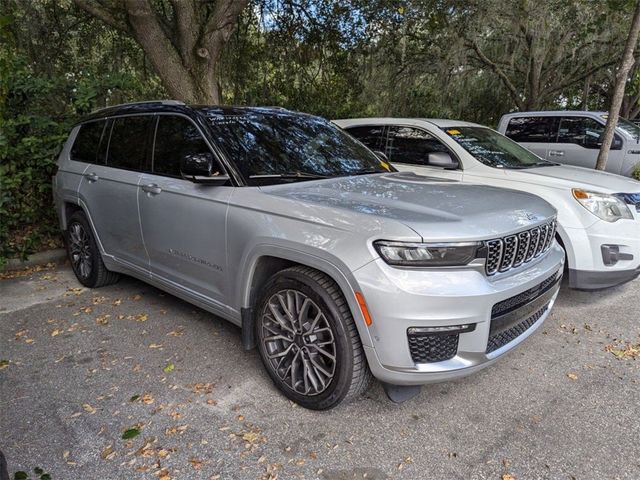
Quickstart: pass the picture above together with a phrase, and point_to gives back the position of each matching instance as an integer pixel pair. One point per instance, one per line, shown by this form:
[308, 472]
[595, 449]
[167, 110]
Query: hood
[436, 209]
[564, 176]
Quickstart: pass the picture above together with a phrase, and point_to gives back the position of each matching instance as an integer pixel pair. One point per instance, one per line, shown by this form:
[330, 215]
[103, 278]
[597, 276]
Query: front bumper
[403, 299]
[587, 268]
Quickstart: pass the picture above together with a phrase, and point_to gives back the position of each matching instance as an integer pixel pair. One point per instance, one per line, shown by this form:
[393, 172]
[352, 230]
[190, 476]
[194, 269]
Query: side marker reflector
[363, 309]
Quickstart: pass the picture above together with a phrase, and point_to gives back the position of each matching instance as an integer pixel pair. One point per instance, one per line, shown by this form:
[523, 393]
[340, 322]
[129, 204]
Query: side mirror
[443, 160]
[198, 168]
[381, 155]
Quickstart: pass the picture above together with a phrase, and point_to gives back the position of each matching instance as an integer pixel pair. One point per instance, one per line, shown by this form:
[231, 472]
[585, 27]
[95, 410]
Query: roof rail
[161, 102]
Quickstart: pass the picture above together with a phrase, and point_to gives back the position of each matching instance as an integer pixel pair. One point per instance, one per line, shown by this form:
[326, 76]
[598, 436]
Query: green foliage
[48, 82]
[636, 172]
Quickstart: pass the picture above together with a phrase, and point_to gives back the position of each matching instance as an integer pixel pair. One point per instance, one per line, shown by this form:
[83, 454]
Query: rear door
[579, 142]
[184, 223]
[408, 149]
[109, 188]
[537, 134]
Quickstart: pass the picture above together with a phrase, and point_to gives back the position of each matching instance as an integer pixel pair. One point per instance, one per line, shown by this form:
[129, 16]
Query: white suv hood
[564, 176]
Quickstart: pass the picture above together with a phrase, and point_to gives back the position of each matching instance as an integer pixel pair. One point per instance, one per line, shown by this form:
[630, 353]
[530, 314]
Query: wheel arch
[266, 261]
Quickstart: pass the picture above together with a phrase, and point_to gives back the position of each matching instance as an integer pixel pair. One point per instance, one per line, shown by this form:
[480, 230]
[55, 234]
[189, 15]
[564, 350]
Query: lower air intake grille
[501, 339]
[426, 348]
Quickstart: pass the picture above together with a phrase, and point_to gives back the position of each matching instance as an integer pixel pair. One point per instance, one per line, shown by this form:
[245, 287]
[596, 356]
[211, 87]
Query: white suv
[598, 212]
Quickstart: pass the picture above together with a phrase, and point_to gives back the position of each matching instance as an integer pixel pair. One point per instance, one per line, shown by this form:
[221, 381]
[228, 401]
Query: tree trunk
[185, 48]
[618, 91]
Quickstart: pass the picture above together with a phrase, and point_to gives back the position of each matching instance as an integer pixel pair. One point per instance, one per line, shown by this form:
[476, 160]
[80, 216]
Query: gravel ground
[80, 367]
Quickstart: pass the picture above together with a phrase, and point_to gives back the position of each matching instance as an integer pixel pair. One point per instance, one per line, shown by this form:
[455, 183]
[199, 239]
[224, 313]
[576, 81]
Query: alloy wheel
[80, 250]
[299, 342]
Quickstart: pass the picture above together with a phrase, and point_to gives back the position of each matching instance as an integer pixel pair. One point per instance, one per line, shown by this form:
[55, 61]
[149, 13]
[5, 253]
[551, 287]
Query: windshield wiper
[288, 175]
[365, 171]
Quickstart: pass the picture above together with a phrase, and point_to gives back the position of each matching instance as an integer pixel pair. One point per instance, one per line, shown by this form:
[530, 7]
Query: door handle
[556, 153]
[91, 177]
[152, 188]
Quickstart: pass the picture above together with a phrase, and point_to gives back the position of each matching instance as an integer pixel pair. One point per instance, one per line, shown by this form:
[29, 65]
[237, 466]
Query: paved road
[560, 407]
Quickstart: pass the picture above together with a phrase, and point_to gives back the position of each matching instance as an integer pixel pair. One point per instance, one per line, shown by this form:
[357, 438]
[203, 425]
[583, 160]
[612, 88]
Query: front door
[408, 149]
[579, 141]
[184, 223]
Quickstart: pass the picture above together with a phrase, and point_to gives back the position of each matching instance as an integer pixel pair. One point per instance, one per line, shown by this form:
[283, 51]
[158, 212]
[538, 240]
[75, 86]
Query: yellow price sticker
[453, 131]
[385, 165]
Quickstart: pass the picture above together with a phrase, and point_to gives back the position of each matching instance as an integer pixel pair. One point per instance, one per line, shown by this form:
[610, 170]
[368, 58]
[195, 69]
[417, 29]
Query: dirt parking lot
[81, 369]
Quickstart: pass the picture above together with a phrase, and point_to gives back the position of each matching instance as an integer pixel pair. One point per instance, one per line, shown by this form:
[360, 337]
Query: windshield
[494, 149]
[276, 147]
[629, 127]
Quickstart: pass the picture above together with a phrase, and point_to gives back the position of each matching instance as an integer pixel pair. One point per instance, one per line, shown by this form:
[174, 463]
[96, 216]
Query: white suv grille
[506, 253]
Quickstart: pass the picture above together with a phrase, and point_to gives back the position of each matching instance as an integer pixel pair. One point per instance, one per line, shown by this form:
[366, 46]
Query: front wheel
[308, 340]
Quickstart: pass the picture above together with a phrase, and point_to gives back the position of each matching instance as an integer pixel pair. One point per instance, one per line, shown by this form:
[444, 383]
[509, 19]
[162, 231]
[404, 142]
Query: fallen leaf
[175, 333]
[134, 398]
[141, 317]
[117, 302]
[202, 388]
[251, 437]
[147, 399]
[103, 319]
[169, 368]
[29, 341]
[155, 345]
[572, 376]
[135, 298]
[131, 433]
[173, 430]
[88, 408]
[56, 332]
[196, 463]
[108, 453]
[87, 309]
[4, 364]
[508, 476]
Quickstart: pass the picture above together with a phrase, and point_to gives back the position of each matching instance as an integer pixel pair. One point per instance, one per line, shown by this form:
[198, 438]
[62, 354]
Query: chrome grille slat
[511, 251]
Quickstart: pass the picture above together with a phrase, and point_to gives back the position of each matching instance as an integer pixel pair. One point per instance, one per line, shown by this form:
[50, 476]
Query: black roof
[172, 106]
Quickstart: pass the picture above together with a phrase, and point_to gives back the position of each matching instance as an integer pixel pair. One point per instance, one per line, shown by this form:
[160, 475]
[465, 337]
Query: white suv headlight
[427, 254]
[607, 207]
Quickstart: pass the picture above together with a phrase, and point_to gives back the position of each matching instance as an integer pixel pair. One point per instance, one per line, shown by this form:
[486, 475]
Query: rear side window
[532, 129]
[412, 145]
[371, 136]
[87, 142]
[176, 138]
[128, 143]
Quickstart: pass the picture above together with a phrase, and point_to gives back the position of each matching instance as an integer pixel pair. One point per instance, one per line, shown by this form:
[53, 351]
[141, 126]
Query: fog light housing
[611, 255]
[445, 330]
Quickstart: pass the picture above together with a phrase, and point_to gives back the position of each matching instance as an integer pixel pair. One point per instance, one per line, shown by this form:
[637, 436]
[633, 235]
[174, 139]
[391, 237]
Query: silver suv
[334, 265]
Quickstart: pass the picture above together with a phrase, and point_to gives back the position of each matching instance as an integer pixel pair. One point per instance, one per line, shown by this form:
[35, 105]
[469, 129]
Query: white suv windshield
[494, 149]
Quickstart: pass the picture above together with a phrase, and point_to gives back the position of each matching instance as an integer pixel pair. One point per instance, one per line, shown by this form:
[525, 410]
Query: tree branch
[498, 71]
[103, 13]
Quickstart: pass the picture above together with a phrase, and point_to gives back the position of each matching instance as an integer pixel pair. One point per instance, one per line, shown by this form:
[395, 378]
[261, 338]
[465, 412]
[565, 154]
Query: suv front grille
[426, 348]
[506, 253]
[500, 339]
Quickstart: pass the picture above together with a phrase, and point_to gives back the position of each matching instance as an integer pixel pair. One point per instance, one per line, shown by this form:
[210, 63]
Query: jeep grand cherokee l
[334, 265]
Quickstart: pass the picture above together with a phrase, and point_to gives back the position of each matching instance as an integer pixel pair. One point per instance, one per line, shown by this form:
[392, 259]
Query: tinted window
[128, 144]
[176, 137]
[87, 142]
[532, 129]
[290, 145]
[581, 131]
[412, 145]
[371, 136]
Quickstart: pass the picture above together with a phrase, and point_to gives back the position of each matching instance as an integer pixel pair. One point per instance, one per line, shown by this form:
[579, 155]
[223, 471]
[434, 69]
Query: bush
[636, 172]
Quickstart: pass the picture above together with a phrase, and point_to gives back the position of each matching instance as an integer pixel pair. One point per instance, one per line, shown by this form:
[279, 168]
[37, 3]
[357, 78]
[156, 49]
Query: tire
[300, 365]
[84, 254]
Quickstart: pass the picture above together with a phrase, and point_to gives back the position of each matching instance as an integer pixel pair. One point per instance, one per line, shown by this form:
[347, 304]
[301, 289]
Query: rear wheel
[308, 340]
[84, 254]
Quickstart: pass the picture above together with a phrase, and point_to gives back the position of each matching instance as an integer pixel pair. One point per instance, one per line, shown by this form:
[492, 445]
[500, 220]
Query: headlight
[427, 254]
[607, 207]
